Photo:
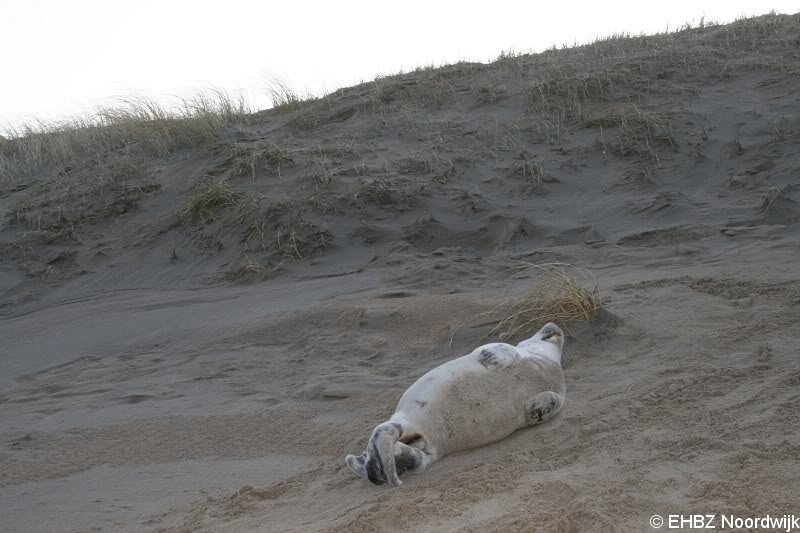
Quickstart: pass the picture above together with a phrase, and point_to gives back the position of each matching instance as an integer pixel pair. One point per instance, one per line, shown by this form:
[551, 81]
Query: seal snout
[551, 333]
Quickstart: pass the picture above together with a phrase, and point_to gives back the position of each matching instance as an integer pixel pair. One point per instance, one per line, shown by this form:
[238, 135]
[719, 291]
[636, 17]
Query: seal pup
[479, 398]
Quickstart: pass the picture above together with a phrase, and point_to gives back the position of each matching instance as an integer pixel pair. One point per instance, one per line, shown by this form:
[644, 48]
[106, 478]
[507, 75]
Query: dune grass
[565, 85]
[135, 125]
[285, 99]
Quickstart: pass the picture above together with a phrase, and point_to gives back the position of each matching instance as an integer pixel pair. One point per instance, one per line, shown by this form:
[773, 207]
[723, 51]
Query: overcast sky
[63, 57]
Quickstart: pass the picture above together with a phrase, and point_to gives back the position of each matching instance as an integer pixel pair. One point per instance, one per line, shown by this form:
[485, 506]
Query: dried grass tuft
[250, 270]
[209, 196]
[531, 172]
[561, 293]
[249, 161]
[638, 132]
[284, 98]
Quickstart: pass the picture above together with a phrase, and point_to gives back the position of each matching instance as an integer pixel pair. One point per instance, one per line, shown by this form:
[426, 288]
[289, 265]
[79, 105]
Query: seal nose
[549, 330]
[551, 333]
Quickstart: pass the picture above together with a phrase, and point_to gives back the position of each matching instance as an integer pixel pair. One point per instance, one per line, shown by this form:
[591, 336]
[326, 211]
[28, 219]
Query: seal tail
[380, 464]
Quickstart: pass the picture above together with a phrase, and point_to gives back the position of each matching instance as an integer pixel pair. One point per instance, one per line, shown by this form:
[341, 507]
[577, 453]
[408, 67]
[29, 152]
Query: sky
[62, 58]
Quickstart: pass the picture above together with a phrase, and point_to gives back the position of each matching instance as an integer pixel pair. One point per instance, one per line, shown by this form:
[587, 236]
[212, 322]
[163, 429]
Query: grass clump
[641, 175]
[774, 200]
[531, 172]
[397, 193]
[284, 98]
[121, 166]
[424, 90]
[297, 237]
[439, 166]
[45, 227]
[209, 197]
[569, 97]
[250, 161]
[490, 94]
[638, 132]
[364, 232]
[321, 171]
[561, 294]
[282, 230]
[249, 270]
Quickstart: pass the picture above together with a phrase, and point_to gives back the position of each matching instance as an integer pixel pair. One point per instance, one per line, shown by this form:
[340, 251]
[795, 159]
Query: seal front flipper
[543, 407]
[497, 355]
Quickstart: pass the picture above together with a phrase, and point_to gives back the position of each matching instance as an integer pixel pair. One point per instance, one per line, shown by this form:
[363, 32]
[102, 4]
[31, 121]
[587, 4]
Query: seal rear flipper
[357, 464]
[410, 459]
[380, 464]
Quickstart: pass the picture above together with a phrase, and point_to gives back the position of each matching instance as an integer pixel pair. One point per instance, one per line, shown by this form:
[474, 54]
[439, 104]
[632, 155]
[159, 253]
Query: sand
[142, 390]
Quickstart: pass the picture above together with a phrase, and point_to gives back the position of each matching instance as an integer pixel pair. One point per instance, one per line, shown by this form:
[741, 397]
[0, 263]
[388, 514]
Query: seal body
[464, 404]
[473, 400]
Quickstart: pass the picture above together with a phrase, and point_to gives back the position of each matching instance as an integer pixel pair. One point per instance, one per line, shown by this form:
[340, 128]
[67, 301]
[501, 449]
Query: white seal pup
[476, 399]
